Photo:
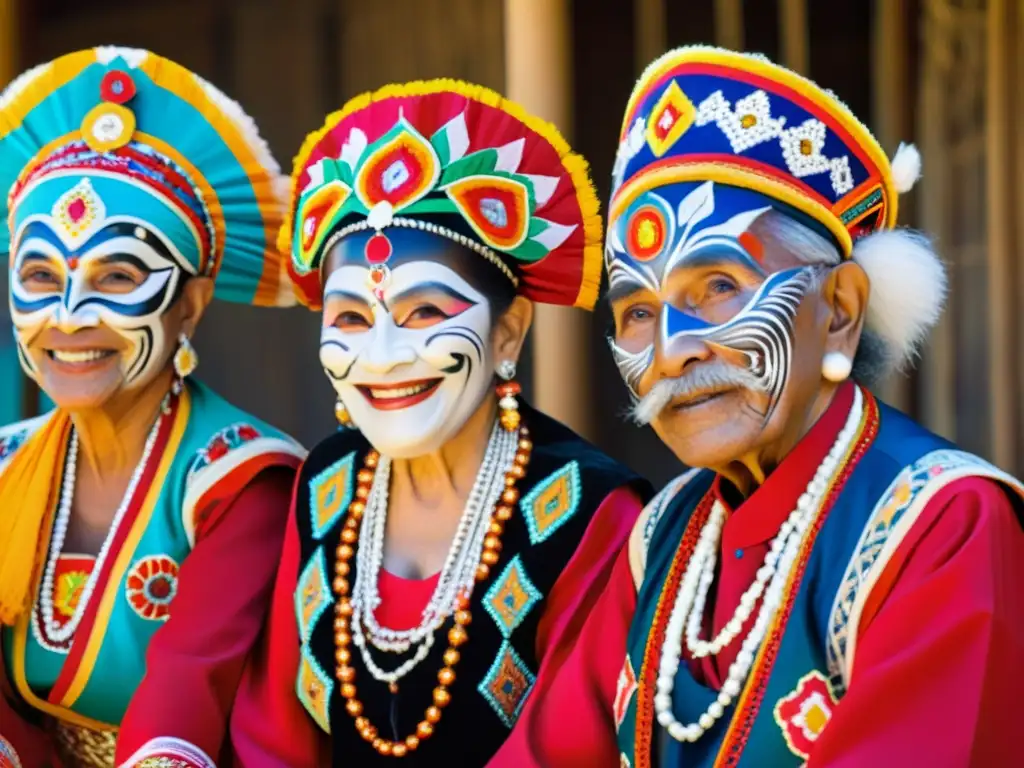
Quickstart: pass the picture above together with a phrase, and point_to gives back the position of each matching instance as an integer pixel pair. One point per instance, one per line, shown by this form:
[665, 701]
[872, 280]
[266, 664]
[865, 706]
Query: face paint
[411, 361]
[653, 238]
[71, 289]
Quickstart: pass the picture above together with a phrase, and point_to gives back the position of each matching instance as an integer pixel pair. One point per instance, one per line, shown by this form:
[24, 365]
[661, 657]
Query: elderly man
[834, 585]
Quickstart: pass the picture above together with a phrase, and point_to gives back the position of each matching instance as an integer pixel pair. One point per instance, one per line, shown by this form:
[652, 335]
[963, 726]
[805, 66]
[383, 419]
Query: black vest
[566, 481]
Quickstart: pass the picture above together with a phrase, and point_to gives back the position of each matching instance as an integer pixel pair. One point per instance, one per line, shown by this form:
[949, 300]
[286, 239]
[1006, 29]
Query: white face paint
[412, 365]
[52, 287]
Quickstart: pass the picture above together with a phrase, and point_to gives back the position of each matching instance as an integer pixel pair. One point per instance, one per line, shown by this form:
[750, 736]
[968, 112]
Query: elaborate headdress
[767, 137]
[111, 135]
[457, 160]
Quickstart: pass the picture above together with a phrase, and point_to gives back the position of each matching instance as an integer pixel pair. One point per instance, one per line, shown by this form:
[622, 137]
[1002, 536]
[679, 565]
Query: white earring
[506, 370]
[836, 367]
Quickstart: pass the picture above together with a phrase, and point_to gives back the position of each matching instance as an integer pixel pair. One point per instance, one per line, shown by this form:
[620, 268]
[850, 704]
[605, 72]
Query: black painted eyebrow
[346, 295]
[431, 286]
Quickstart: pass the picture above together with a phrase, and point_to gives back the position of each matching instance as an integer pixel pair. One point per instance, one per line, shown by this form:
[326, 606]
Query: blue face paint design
[689, 225]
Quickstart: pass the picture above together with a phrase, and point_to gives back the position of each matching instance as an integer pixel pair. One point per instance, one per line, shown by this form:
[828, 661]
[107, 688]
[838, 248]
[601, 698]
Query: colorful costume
[119, 151]
[863, 608]
[458, 162]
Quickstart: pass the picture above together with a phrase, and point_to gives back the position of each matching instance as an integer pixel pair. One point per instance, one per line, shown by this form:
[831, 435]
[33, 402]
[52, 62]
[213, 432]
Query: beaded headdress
[109, 135]
[456, 160]
[763, 135]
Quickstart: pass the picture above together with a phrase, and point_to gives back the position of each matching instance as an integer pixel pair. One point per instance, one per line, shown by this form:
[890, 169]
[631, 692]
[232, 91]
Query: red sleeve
[939, 666]
[269, 726]
[581, 688]
[195, 660]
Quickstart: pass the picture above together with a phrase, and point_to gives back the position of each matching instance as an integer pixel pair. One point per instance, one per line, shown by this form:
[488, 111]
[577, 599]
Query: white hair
[908, 288]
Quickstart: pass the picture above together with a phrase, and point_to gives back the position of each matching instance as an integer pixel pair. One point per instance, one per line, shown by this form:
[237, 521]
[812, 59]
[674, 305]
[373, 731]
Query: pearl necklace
[460, 567]
[53, 635]
[771, 581]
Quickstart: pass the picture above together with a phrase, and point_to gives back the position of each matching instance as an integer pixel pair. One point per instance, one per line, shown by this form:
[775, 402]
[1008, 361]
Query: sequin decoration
[312, 594]
[151, 586]
[330, 493]
[511, 597]
[314, 688]
[671, 117]
[507, 684]
[552, 503]
[804, 713]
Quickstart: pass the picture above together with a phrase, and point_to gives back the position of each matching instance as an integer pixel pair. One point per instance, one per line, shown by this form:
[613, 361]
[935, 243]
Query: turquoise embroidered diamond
[507, 684]
[511, 597]
[312, 594]
[552, 503]
[330, 493]
[314, 688]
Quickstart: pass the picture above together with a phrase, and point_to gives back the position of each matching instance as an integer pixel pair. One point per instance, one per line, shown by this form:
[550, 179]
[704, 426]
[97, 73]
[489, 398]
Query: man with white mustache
[832, 585]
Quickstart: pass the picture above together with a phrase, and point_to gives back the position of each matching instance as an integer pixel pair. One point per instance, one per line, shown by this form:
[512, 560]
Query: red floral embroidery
[151, 586]
[805, 712]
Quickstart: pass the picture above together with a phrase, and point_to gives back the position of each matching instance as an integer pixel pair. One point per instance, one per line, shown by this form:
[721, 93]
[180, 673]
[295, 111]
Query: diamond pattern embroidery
[670, 118]
[552, 503]
[511, 597]
[507, 684]
[314, 687]
[312, 594]
[330, 493]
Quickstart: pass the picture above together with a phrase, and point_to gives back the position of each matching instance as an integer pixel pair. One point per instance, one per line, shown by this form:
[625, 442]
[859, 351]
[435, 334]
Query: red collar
[758, 518]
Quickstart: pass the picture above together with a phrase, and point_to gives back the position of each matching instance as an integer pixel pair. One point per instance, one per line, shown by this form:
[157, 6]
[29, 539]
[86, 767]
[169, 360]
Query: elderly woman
[446, 548]
[835, 586]
[140, 521]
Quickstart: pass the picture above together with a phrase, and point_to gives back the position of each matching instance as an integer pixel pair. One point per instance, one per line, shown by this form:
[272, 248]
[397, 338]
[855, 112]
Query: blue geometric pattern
[552, 503]
[511, 597]
[507, 684]
[330, 494]
[312, 594]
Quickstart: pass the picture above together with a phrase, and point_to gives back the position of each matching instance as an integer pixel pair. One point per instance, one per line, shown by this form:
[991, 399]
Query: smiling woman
[448, 543]
[138, 192]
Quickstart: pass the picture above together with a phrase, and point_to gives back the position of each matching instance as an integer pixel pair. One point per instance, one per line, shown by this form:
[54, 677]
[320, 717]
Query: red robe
[269, 726]
[940, 655]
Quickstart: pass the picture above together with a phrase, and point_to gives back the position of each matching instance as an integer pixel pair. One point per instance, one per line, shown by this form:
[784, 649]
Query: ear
[845, 292]
[196, 295]
[511, 328]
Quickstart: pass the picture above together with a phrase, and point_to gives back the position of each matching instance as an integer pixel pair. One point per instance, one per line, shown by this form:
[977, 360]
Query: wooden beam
[538, 76]
[650, 32]
[1000, 225]
[729, 24]
[794, 34]
[10, 49]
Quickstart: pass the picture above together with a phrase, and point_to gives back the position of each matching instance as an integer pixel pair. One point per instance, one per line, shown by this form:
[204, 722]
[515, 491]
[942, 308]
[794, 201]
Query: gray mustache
[698, 379]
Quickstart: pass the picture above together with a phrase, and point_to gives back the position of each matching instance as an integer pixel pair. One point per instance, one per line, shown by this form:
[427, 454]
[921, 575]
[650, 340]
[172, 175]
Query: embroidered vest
[802, 669]
[210, 451]
[566, 481]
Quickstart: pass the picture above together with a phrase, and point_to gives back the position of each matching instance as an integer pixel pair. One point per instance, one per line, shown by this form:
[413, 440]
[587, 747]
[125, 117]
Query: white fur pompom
[908, 289]
[906, 168]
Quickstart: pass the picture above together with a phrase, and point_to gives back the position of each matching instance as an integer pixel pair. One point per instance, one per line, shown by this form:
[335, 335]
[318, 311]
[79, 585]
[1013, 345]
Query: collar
[757, 519]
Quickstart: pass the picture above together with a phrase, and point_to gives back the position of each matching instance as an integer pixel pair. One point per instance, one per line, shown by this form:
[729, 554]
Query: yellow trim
[725, 173]
[574, 165]
[125, 555]
[783, 726]
[829, 104]
[60, 72]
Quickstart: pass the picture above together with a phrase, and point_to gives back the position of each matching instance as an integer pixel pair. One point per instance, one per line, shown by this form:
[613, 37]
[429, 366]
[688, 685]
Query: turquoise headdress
[110, 135]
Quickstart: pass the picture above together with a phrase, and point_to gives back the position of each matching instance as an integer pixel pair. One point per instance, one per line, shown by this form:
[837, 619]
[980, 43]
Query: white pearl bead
[665, 718]
[706, 721]
[677, 732]
[716, 710]
[732, 687]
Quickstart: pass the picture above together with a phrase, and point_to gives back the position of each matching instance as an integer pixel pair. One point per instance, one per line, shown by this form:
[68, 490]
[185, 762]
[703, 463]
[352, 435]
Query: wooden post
[10, 53]
[729, 24]
[1000, 223]
[650, 38]
[794, 35]
[538, 76]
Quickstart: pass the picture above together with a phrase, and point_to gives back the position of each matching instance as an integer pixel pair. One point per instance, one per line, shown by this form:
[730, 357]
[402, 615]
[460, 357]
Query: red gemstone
[377, 276]
[217, 449]
[73, 263]
[117, 87]
[248, 433]
[378, 249]
[77, 209]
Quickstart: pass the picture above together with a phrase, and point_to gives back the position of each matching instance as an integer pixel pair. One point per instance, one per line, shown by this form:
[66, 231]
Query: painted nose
[676, 349]
[388, 350]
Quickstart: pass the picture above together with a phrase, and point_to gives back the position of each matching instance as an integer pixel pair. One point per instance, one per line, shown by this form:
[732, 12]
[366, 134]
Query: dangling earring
[186, 360]
[507, 392]
[836, 367]
[342, 415]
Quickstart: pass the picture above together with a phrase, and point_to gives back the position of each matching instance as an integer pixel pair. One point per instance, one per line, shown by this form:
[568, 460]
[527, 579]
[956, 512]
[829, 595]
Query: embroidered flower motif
[151, 586]
[805, 712]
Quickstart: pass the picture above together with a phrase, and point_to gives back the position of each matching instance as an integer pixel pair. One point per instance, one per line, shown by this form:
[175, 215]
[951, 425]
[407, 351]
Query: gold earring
[342, 415]
[507, 391]
[186, 360]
